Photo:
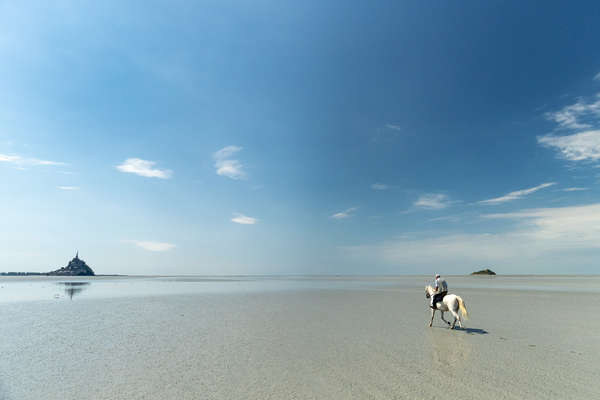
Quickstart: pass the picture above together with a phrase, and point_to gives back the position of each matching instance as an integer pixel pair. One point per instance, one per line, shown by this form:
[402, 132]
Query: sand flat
[324, 343]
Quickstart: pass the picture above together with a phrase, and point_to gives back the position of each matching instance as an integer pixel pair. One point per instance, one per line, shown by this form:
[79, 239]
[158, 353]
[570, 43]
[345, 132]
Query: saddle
[437, 298]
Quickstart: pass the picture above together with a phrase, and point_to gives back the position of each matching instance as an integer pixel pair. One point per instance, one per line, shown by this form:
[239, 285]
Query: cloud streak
[226, 166]
[379, 186]
[576, 116]
[153, 246]
[433, 201]
[68, 187]
[26, 162]
[539, 237]
[345, 214]
[517, 194]
[583, 146]
[577, 227]
[449, 218]
[243, 219]
[144, 168]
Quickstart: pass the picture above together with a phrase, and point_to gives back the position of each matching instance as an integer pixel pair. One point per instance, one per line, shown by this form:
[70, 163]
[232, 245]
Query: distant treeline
[21, 273]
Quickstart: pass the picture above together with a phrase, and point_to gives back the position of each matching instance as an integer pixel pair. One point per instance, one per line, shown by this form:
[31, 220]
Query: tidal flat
[528, 337]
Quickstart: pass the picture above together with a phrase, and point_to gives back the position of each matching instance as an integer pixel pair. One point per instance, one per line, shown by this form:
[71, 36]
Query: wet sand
[333, 343]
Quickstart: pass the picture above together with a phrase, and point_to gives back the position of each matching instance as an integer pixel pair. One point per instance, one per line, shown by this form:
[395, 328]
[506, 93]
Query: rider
[441, 289]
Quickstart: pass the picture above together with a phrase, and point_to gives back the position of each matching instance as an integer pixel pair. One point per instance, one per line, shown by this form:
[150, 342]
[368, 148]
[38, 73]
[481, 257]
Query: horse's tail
[462, 307]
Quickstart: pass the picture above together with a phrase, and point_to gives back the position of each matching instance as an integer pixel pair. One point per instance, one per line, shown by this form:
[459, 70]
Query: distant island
[484, 272]
[76, 267]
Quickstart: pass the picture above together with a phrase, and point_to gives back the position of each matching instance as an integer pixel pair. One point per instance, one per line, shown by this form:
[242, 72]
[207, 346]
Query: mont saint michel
[76, 267]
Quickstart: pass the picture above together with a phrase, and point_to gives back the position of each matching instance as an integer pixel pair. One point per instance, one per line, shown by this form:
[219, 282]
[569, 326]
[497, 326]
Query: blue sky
[271, 137]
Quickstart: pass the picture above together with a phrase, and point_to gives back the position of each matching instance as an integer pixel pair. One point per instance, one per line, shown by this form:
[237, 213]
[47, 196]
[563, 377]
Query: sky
[278, 137]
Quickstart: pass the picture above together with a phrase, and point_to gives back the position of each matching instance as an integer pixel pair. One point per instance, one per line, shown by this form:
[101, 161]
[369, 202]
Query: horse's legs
[443, 319]
[432, 314]
[456, 318]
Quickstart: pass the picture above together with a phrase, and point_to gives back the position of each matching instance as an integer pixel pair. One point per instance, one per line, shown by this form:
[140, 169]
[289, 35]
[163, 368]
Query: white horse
[450, 302]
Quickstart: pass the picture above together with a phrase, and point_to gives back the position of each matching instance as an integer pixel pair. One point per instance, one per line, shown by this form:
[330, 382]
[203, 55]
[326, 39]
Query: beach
[313, 338]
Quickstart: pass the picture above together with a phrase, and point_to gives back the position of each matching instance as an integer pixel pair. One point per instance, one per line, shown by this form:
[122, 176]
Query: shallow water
[17, 289]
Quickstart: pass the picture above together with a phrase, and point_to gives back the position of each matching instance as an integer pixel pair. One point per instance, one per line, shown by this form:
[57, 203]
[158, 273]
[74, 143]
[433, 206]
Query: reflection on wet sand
[73, 288]
[449, 351]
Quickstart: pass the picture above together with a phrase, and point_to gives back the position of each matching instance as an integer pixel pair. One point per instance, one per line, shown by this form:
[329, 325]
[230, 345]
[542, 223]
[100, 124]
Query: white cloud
[226, 166]
[35, 161]
[226, 152]
[449, 218]
[68, 187]
[597, 77]
[393, 127]
[433, 201]
[577, 226]
[577, 147]
[574, 189]
[576, 116]
[153, 246]
[345, 214]
[10, 159]
[230, 168]
[143, 168]
[379, 186]
[450, 251]
[23, 161]
[515, 195]
[540, 237]
[243, 219]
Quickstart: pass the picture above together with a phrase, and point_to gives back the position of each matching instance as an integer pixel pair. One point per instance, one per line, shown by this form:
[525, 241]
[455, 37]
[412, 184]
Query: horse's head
[427, 292]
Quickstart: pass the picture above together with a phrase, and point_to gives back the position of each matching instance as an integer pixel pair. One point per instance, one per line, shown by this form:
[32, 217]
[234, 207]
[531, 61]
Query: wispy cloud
[7, 158]
[575, 189]
[433, 201]
[597, 77]
[243, 219]
[540, 237]
[379, 186]
[143, 168]
[226, 166]
[576, 116]
[577, 147]
[515, 195]
[449, 218]
[576, 226]
[68, 187]
[393, 127]
[152, 246]
[345, 214]
[26, 162]
[387, 133]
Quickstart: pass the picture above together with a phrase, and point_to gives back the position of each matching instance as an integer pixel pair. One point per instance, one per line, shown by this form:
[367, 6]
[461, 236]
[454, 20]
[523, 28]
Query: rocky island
[484, 272]
[76, 267]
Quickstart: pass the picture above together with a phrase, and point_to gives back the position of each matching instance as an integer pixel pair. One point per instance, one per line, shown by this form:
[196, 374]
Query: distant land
[484, 272]
[76, 267]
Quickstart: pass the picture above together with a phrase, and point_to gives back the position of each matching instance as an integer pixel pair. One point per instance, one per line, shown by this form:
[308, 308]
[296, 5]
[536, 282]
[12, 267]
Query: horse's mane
[429, 290]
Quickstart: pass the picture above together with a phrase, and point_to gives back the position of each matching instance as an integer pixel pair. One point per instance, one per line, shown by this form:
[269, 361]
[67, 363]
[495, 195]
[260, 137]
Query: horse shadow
[472, 331]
